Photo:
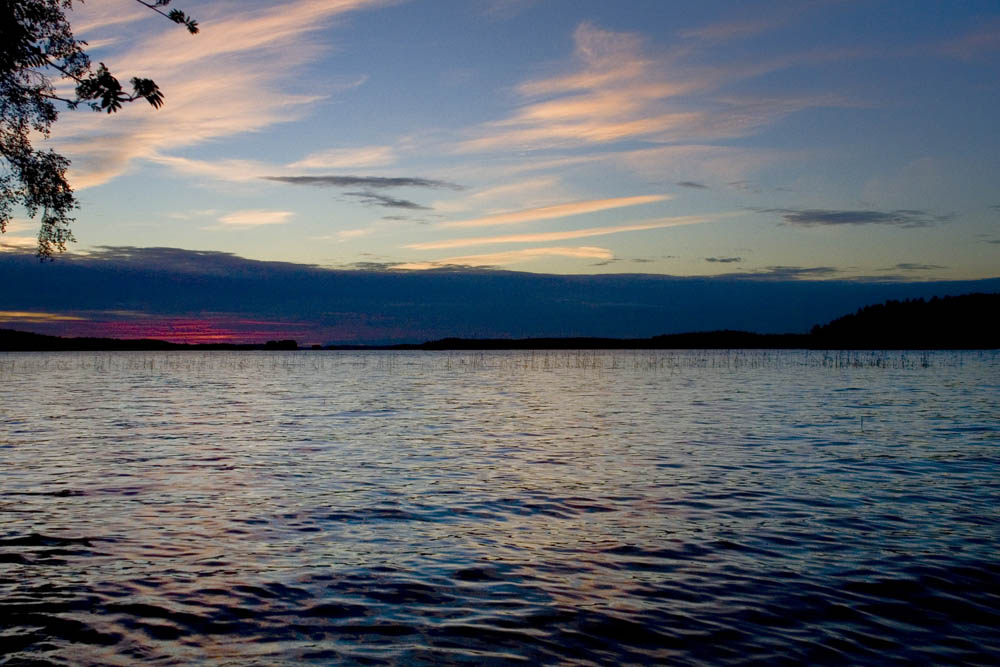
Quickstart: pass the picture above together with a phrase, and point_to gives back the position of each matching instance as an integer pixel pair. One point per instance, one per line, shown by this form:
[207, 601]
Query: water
[557, 507]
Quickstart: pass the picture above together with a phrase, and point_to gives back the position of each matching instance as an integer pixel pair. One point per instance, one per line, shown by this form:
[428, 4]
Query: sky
[826, 141]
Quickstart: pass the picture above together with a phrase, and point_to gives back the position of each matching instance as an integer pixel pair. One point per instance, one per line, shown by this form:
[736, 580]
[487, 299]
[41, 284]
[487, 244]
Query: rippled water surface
[556, 507]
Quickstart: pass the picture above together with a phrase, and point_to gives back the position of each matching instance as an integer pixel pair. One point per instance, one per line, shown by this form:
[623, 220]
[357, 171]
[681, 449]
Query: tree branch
[175, 15]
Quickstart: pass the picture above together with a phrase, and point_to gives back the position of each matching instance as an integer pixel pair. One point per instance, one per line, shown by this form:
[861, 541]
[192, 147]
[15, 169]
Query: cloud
[506, 9]
[975, 44]
[180, 261]
[532, 193]
[15, 243]
[376, 199]
[348, 158]
[236, 171]
[724, 260]
[813, 217]
[785, 273]
[16, 317]
[348, 234]
[542, 237]
[728, 31]
[699, 163]
[225, 81]
[364, 181]
[556, 211]
[794, 272]
[20, 225]
[511, 257]
[910, 266]
[692, 184]
[256, 217]
[619, 91]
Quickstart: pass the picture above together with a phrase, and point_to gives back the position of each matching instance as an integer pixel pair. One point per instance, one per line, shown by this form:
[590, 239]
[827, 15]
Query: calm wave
[427, 508]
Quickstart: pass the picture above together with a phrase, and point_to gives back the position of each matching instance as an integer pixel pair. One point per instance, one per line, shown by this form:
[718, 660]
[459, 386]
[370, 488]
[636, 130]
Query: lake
[611, 507]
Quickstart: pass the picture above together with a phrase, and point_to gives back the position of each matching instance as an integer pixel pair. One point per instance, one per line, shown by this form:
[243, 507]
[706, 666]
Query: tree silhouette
[37, 48]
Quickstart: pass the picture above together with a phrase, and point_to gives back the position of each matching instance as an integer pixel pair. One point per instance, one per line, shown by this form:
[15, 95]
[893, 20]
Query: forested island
[947, 323]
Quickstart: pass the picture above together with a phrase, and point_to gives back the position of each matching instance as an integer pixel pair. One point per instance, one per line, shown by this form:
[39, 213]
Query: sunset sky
[828, 140]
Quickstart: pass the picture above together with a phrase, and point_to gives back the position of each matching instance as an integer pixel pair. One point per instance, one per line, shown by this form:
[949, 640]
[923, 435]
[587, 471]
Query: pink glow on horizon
[183, 330]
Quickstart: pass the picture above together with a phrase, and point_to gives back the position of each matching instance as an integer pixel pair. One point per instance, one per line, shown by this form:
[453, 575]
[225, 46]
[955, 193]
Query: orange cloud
[542, 237]
[29, 317]
[621, 92]
[511, 257]
[347, 158]
[256, 217]
[557, 211]
[222, 82]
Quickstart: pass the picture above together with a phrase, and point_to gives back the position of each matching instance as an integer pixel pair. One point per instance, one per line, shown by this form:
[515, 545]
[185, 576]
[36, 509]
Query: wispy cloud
[544, 237]
[348, 158]
[375, 199]
[979, 42]
[511, 257]
[533, 192]
[348, 234]
[912, 266]
[792, 272]
[254, 217]
[505, 9]
[9, 241]
[724, 260]
[730, 30]
[555, 211]
[835, 217]
[692, 184]
[234, 171]
[17, 243]
[699, 163]
[364, 181]
[619, 91]
[225, 81]
[30, 317]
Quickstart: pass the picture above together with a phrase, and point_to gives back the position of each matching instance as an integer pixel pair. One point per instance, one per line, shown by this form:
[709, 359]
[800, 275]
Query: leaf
[147, 89]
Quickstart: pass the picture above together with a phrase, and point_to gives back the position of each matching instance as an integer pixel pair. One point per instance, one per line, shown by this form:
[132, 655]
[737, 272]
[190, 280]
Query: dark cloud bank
[375, 199]
[825, 217]
[369, 183]
[364, 182]
[394, 306]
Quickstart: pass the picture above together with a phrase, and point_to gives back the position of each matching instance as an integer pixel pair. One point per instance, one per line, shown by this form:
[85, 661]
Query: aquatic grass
[391, 361]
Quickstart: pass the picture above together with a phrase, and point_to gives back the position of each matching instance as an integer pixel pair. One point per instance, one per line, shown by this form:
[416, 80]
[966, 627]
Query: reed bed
[262, 362]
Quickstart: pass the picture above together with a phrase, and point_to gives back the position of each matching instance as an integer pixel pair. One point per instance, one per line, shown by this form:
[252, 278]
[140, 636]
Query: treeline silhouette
[946, 323]
[951, 322]
[23, 341]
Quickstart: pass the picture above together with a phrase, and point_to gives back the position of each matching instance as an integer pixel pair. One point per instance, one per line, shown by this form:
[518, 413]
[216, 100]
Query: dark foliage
[952, 322]
[37, 49]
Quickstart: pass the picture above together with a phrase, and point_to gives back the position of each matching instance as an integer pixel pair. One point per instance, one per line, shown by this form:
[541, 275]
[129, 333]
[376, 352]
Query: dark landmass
[22, 341]
[957, 322]
[949, 323]
[685, 341]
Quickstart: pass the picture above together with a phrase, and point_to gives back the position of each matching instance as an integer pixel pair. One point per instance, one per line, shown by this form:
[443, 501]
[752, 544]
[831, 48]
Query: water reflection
[592, 507]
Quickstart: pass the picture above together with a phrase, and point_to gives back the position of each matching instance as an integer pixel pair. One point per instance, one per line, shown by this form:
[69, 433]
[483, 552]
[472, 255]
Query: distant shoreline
[949, 323]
